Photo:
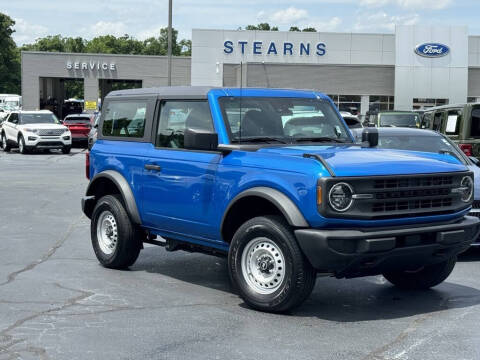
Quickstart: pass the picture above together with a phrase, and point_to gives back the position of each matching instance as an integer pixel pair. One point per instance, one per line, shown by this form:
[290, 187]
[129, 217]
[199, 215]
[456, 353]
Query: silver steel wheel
[263, 265]
[4, 142]
[20, 145]
[107, 232]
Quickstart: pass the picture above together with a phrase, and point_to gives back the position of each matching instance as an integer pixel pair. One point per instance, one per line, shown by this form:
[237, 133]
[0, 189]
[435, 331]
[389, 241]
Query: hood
[357, 161]
[43, 126]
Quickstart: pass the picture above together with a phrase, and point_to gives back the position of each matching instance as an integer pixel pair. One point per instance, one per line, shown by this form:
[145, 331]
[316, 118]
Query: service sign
[432, 50]
[91, 65]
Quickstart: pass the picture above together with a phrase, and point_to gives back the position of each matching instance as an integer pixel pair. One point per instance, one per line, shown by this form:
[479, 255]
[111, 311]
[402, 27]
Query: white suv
[30, 130]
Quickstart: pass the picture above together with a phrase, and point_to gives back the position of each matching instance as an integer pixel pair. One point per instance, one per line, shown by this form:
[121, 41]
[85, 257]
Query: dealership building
[416, 67]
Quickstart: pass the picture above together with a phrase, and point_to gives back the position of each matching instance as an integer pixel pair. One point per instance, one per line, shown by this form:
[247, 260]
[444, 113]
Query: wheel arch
[110, 182]
[256, 201]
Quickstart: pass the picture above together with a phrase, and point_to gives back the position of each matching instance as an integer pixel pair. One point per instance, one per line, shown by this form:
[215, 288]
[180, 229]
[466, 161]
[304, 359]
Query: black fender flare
[124, 188]
[286, 206]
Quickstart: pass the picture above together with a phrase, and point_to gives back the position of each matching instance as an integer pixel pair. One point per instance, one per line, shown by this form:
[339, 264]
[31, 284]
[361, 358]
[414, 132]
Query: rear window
[125, 119]
[84, 120]
[475, 124]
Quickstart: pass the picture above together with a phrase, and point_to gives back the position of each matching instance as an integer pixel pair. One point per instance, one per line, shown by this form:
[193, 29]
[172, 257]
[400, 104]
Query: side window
[427, 118]
[178, 115]
[437, 121]
[125, 119]
[13, 118]
[475, 124]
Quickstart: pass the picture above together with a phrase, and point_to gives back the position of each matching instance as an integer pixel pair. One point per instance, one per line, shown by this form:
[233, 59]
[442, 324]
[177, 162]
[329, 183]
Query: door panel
[178, 196]
[178, 184]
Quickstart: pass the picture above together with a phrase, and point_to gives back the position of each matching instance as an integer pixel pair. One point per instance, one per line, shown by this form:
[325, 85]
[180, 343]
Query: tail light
[87, 165]
[466, 148]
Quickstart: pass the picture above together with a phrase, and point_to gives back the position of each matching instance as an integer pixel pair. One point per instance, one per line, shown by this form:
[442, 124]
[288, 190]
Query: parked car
[80, 126]
[432, 142]
[92, 135]
[395, 119]
[223, 171]
[460, 122]
[30, 130]
[352, 121]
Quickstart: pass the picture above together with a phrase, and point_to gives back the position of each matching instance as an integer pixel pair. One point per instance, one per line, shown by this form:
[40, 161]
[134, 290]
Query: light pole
[169, 48]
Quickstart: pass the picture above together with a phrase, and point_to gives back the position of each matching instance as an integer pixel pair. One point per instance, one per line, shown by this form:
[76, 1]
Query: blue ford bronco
[273, 180]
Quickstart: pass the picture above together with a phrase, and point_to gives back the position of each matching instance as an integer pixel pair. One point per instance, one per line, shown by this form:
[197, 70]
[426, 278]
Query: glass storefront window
[419, 103]
[349, 103]
[380, 103]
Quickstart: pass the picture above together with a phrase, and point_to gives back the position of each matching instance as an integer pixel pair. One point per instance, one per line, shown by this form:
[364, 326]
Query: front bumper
[33, 141]
[361, 252]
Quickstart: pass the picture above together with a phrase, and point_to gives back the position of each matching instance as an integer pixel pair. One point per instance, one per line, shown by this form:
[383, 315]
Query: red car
[79, 125]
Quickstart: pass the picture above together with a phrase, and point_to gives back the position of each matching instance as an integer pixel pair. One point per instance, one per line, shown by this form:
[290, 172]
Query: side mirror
[370, 135]
[196, 139]
[474, 160]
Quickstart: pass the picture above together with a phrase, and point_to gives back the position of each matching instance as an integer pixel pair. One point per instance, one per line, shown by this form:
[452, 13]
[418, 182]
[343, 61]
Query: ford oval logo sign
[432, 50]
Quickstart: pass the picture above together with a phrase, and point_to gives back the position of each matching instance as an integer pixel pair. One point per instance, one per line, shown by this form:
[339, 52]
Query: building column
[364, 104]
[90, 89]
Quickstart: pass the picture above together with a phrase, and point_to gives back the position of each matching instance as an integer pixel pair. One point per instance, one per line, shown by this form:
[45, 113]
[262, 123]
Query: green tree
[109, 44]
[294, 28]
[185, 47]
[309, 29]
[262, 26]
[9, 57]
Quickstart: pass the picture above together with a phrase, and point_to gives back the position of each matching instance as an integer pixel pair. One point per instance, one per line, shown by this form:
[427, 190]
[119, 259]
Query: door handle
[153, 167]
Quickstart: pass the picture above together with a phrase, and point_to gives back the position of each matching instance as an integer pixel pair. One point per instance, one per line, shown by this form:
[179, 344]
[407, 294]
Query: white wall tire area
[115, 239]
[423, 278]
[267, 266]
[21, 145]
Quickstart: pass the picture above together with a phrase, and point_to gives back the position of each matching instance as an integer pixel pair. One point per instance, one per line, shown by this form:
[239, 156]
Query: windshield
[43, 118]
[282, 119]
[77, 120]
[400, 120]
[434, 144]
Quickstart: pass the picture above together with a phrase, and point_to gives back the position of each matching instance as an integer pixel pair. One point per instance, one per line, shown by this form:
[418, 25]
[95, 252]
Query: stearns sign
[91, 65]
[275, 48]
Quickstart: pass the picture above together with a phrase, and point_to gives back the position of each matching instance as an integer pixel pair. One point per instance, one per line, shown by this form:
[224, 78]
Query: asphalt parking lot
[57, 302]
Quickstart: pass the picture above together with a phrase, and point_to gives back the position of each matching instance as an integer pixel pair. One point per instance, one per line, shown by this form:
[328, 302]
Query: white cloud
[26, 32]
[298, 17]
[409, 4]
[288, 16]
[116, 28]
[381, 21]
[330, 25]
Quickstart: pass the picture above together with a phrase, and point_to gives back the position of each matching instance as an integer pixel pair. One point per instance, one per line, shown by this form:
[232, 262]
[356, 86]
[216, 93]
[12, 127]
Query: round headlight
[340, 197]
[467, 188]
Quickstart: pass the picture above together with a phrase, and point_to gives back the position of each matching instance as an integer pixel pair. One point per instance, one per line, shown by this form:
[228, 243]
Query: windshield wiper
[318, 139]
[259, 139]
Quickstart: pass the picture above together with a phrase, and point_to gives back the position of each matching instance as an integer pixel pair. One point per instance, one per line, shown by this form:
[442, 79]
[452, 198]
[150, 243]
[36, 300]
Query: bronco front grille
[387, 197]
[50, 132]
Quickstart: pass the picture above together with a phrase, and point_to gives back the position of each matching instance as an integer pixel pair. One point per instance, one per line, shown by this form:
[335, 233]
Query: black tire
[21, 145]
[66, 149]
[298, 278]
[425, 278]
[128, 240]
[5, 145]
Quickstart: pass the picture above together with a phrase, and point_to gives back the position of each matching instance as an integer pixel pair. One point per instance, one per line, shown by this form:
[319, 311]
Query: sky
[144, 18]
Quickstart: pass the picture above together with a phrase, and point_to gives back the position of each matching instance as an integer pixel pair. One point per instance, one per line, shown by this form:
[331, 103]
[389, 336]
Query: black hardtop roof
[164, 90]
[401, 131]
